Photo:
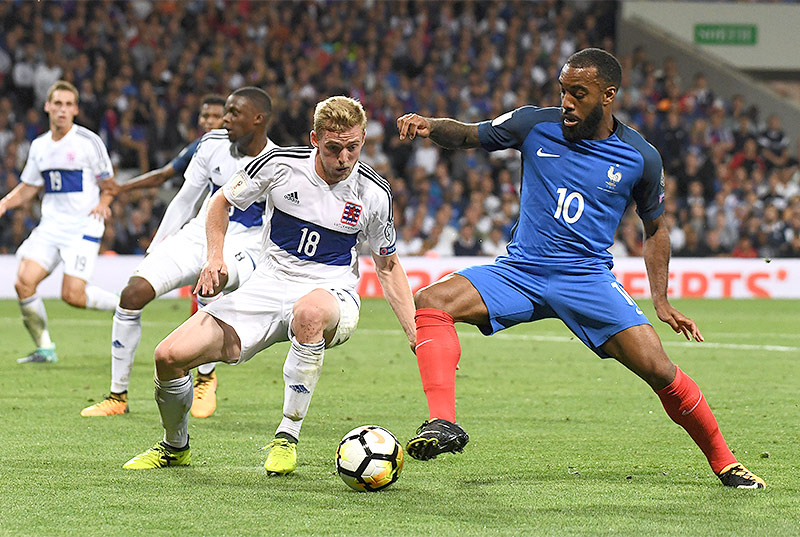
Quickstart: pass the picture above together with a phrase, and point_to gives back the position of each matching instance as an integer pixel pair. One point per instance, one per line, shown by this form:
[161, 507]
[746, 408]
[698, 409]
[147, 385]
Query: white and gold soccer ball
[369, 458]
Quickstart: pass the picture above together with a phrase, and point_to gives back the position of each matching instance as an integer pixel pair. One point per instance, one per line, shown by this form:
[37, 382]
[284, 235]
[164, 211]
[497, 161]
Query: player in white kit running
[210, 117]
[320, 202]
[71, 164]
[178, 252]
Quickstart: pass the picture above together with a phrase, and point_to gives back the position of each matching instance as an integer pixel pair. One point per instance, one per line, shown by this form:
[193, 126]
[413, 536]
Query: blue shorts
[589, 300]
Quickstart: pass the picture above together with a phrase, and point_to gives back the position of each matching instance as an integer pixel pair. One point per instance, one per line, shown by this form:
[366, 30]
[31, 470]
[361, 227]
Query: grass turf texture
[562, 443]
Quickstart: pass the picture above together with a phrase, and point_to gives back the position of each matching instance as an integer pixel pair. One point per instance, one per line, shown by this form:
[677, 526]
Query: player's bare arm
[103, 208]
[20, 195]
[108, 191]
[397, 291]
[208, 283]
[149, 179]
[656, 260]
[448, 133]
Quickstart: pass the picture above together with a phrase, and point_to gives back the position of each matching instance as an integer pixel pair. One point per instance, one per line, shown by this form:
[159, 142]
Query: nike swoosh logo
[687, 412]
[423, 343]
[541, 153]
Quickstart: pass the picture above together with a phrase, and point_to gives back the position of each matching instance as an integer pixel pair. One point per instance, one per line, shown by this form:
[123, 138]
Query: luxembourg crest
[351, 214]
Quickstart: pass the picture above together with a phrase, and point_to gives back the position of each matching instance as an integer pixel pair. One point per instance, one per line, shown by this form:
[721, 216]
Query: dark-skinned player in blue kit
[581, 169]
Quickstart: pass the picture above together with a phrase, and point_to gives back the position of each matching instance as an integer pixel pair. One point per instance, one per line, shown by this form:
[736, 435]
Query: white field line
[475, 334]
[573, 339]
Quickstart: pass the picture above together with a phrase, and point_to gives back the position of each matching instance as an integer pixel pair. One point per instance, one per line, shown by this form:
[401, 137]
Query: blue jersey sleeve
[181, 162]
[510, 129]
[649, 190]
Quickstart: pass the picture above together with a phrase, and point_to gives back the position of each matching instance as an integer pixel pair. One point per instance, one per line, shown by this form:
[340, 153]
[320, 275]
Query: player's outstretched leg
[687, 406]
[438, 353]
[435, 437]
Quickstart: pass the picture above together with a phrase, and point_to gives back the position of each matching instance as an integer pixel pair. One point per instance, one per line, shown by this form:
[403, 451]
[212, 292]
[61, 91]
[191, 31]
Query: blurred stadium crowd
[733, 188]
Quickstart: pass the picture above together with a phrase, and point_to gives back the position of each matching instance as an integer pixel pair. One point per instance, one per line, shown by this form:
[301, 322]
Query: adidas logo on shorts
[293, 198]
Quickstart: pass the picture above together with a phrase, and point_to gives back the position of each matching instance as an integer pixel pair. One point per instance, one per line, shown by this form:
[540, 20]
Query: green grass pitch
[562, 443]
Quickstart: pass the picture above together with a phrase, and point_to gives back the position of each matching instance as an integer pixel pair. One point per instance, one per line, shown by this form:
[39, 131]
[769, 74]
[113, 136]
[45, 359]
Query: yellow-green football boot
[282, 458]
[159, 456]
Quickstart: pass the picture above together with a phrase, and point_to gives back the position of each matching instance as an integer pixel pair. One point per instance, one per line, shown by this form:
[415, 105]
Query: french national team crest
[351, 213]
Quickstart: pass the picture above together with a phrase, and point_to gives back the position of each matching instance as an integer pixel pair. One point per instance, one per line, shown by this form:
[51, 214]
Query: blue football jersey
[574, 194]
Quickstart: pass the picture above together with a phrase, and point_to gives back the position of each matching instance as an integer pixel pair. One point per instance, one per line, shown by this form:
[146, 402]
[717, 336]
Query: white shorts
[179, 259]
[78, 253]
[260, 312]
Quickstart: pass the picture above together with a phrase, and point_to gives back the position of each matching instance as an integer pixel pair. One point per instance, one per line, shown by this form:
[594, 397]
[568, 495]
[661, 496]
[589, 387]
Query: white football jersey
[314, 227]
[214, 162]
[69, 170]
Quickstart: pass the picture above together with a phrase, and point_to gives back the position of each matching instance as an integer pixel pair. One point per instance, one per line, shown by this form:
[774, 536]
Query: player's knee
[136, 295]
[657, 373]
[24, 288]
[75, 297]
[429, 297]
[662, 375]
[310, 314]
[167, 357]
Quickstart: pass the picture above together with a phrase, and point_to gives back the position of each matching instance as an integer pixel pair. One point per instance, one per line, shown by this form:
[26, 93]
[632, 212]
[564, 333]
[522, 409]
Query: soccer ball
[369, 458]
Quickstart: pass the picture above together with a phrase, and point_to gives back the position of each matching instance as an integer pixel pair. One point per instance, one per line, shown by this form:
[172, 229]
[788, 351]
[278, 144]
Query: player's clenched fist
[413, 125]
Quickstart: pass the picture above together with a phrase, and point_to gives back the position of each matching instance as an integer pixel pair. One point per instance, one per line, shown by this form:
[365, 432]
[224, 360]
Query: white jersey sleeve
[101, 166]
[31, 174]
[380, 230]
[251, 183]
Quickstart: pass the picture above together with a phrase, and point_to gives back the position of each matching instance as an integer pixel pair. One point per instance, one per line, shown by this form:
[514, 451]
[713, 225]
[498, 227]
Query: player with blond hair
[320, 202]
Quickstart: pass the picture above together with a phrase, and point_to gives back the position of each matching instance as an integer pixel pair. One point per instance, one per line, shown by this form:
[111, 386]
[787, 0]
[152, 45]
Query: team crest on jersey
[351, 214]
[613, 177]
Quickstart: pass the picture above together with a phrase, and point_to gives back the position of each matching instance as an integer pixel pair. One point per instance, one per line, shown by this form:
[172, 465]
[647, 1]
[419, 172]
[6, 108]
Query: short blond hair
[62, 85]
[339, 114]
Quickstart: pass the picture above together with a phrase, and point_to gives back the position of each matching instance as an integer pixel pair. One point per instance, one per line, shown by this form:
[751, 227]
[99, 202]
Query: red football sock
[438, 352]
[685, 404]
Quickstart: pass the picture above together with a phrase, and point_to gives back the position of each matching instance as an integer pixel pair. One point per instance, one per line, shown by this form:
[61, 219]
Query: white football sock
[126, 333]
[301, 371]
[207, 369]
[100, 299]
[174, 398]
[34, 317]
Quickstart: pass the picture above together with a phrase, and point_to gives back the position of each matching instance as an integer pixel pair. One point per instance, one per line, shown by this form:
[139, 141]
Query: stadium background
[562, 443]
[733, 185]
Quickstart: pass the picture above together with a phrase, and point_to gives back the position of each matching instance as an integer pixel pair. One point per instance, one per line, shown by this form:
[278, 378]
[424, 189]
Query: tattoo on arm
[452, 134]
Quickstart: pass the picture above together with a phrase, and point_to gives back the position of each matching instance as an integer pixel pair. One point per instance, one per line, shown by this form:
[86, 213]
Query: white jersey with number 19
[69, 170]
[314, 227]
